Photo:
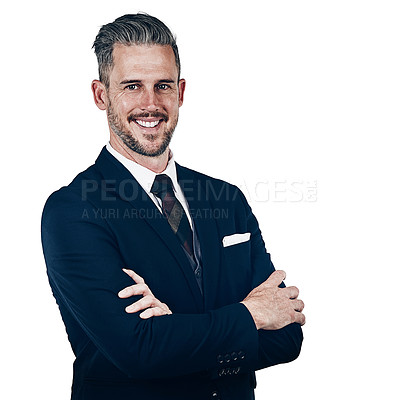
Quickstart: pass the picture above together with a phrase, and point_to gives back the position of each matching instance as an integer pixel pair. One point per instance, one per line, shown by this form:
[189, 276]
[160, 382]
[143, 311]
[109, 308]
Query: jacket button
[227, 358]
[214, 395]
[234, 356]
[236, 370]
[220, 359]
[242, 355]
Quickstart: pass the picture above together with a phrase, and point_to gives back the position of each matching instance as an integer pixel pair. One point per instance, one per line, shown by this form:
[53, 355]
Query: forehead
[141, 61]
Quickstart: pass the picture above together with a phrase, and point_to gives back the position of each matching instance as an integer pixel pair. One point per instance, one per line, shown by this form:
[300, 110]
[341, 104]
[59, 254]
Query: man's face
[144, 97]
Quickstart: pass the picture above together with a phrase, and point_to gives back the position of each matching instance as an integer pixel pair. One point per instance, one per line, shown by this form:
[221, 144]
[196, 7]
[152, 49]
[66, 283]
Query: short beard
[117, 127]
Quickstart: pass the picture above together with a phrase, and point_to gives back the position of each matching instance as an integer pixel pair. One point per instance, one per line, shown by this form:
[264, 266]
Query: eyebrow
[130, 81]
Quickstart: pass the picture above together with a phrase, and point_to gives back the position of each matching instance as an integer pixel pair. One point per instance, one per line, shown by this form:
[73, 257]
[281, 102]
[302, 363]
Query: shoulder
[71, 199]
[88, 183]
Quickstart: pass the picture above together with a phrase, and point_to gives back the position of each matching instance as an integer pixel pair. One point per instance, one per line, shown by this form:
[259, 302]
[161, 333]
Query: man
[160, 272]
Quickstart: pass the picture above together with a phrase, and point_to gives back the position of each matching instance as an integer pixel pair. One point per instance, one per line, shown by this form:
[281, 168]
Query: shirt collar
[143, 175]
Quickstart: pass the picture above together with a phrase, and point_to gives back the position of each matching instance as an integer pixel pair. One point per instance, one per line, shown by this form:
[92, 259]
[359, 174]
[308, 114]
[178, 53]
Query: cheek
[172, 105]
[123, 104]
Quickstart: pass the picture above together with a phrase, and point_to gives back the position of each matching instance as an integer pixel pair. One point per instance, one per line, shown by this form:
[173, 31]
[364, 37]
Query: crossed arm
[84, 268]
[270, 306]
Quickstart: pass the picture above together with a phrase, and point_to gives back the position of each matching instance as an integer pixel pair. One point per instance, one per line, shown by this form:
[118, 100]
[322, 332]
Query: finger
[165, 308]
[153, 312]
[142, 304]
[276, 278]
[157, 303]
[135, 290]
[291, 292]
[300, 318]
[136, 277]
[298, 305]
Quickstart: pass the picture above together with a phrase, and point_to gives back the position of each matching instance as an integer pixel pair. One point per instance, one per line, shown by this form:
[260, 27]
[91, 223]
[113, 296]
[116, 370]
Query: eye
[163, 86]
[132, 86]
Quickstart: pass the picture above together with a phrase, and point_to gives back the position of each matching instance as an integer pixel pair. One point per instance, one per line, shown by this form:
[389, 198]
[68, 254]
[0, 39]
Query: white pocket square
[235, 239]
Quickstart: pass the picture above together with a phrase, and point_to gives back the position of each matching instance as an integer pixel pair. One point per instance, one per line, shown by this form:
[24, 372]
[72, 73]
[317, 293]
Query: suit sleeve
[84, 267]
[278, 346]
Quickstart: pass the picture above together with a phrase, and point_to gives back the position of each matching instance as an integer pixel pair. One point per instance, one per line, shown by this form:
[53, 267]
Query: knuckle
[146, 289]
[149, 298]
[155, 312]
[133, 290]
[153, 302]
[138, 278]
[301, 319]
[129, 291]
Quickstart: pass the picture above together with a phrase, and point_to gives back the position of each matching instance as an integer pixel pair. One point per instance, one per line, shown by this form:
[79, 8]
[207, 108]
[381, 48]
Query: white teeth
[147, 124]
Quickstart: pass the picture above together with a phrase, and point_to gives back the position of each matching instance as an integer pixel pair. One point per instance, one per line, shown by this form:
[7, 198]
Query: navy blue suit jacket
[209, 347]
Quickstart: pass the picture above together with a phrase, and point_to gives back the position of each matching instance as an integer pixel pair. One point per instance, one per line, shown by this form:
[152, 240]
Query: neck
[155, 164]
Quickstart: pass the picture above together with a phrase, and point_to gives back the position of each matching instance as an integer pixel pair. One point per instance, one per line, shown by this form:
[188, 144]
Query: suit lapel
[129, 189]
[207, 231]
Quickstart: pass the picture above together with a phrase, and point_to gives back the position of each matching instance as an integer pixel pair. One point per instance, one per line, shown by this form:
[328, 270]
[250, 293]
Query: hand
[152, 306]
[273, 307]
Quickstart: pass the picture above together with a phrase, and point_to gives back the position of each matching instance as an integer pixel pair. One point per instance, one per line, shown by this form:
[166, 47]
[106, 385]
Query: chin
[151, 150]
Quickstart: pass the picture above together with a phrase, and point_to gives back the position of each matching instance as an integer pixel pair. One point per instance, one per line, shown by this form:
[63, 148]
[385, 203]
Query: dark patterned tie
[173, 211]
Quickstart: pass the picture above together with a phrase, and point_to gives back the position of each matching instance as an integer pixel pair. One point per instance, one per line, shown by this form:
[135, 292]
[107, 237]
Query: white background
[281, 96]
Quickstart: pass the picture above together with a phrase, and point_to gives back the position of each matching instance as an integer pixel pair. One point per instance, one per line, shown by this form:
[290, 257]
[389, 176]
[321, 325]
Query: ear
[99, 94]
[181, 87]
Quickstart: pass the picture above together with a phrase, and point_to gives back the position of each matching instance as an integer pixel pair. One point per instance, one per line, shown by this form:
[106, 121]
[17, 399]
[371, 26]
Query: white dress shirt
[146, 177]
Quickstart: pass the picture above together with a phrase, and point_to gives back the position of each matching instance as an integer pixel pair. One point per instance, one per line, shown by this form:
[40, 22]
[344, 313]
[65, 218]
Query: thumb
[276, 278]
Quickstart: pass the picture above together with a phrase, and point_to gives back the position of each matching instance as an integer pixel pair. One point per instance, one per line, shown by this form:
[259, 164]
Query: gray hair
[131, 29]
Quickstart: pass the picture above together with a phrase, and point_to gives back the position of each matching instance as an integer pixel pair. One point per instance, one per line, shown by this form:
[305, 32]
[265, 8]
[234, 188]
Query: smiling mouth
[147, 124]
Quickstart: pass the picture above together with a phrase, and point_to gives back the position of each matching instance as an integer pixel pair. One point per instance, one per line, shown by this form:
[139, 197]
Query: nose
[149, 100]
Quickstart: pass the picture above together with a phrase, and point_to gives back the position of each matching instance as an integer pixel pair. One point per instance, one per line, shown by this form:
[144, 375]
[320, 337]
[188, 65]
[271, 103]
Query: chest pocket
[236, 269]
